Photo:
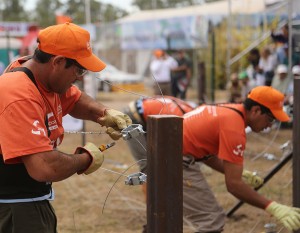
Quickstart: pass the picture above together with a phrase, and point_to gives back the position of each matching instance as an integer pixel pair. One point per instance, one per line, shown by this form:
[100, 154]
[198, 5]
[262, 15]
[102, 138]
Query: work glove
[114, 121]
[288, 216]
[252, 178]
[96, 155]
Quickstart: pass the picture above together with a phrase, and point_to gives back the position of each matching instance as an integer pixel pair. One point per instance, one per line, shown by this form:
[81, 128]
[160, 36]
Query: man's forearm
[215, 164]
[52, 166]
[87, 108]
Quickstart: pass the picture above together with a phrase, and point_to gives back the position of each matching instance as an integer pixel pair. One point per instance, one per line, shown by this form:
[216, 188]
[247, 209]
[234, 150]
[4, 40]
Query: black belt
[188, 160]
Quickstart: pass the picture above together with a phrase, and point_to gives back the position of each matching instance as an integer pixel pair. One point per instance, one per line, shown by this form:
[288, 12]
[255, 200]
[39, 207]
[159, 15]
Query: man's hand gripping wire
[114, 121]
[288, 216]
[97, 157]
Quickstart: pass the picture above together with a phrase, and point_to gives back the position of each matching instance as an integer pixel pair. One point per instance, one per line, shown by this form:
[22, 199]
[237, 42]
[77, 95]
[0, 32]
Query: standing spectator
[181, 76]
[161, 67]
[253, 59]
[281, 40]
[234, 89]
[215, 135]
[266, 66]
[281, 80]
[36, 92]
[245, 85]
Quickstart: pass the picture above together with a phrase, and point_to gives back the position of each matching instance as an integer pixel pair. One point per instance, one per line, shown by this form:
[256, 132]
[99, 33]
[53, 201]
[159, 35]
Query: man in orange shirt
[215, 135]
[36, 92]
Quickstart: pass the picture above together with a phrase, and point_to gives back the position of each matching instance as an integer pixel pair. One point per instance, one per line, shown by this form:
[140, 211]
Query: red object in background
[63, 19]
[29, 41]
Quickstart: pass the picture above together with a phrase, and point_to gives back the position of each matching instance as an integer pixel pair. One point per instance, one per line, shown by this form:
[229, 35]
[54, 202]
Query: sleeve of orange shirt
[23, 130]
[232, 137]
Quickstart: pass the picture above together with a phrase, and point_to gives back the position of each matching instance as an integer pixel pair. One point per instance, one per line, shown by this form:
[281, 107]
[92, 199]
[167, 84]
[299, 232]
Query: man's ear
[255, 109]
[58, 60]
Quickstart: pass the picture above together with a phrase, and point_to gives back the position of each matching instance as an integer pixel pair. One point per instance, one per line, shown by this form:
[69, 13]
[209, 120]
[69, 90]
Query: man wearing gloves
[215, 135]
[140, 109]
[36, 92]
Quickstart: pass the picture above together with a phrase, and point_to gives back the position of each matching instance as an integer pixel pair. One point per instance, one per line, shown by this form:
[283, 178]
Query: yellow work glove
[114, 121]
[252, 178]
[96, 155]
[288, 216]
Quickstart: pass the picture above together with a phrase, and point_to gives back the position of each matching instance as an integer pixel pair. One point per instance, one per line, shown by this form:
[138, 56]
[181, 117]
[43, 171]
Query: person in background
[281, 40]
[36, 92]
[234, 89]
[281, 80]
[245, 84]
[253, 59]
[181, 76]
[266, 66]
[215, 135]
[160, 68]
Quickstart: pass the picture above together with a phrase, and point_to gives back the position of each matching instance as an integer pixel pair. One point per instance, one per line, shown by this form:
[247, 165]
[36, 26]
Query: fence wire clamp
[136, 179]
[132, 131]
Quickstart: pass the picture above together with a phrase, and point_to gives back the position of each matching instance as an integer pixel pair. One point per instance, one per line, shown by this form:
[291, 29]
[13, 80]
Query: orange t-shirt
[22, 116]
[168, 105]
[215, 130]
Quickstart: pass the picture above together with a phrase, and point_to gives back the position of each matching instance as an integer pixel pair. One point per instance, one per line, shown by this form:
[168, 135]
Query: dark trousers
[175, 90]
[33, 217]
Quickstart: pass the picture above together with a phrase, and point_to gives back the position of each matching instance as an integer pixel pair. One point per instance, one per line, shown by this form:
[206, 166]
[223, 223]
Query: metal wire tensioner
[132, 131]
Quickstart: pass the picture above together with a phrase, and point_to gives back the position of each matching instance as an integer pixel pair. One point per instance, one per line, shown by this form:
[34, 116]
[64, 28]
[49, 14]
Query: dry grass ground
[79, 202]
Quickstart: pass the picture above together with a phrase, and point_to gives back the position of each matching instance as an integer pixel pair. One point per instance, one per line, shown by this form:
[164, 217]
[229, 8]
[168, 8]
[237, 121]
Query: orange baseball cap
[71, 41]
[271, 99]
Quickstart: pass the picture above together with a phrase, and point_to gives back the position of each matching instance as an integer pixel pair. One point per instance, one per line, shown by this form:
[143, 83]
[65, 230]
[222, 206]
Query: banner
[168, 33]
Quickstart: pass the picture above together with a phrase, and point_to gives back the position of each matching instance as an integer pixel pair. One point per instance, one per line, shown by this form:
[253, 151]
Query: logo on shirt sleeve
[37, 130]
[239, 151]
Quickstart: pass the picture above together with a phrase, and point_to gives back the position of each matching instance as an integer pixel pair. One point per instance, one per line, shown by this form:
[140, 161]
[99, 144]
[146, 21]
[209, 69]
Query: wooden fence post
[164, 174]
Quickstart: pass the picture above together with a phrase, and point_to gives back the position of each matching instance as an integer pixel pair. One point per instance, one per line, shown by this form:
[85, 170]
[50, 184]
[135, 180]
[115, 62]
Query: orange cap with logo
[271, 99]
[71, 41]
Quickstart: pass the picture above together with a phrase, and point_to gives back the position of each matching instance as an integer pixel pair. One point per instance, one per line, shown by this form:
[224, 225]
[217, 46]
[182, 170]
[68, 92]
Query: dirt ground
[89, 204]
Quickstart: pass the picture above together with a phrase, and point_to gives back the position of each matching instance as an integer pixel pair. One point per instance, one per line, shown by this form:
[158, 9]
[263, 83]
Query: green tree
[99, 12]
[45, 16]
[13, 10]
[44, 13]
[109, 13]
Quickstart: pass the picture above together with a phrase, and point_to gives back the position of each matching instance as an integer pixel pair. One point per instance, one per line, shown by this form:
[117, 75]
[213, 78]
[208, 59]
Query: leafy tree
[13, 10]
[45, 16]
[99, 11]
[44, 13]
[76, 10]
[110, 13]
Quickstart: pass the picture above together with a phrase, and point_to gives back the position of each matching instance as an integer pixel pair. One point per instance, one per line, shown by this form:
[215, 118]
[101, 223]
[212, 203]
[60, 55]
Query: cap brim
[92, 63]
[280, 115]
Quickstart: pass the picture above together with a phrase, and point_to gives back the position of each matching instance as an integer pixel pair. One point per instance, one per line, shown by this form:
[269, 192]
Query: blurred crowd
[267, 66]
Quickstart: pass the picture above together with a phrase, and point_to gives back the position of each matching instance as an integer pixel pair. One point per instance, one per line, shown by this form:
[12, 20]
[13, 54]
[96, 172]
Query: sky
[124, 4]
